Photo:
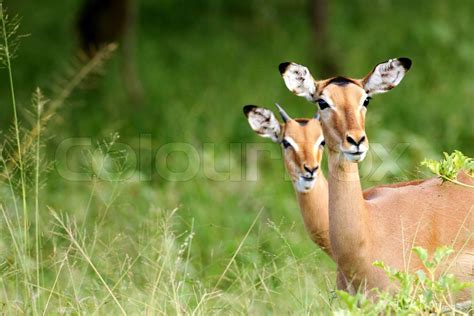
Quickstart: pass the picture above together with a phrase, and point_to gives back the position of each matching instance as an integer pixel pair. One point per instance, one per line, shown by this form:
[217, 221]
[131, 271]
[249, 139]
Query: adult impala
[386, 222]
[302, 144]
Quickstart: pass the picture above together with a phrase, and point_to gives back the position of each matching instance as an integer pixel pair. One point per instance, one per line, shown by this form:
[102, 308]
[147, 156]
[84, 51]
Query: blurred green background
[199, 62]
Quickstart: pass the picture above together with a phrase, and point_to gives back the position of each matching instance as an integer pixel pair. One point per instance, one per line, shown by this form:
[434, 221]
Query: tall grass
[9, 28]
[58, 265]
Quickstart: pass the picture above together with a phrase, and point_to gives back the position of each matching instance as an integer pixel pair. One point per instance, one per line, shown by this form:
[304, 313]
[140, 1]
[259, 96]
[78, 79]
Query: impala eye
[366, 102]
[322, 143]
[322, 104]
[285, 144]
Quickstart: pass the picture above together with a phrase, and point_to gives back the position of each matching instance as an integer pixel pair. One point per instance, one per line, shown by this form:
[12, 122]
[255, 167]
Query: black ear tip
[406, 62]
[283, 66]
[248, 108]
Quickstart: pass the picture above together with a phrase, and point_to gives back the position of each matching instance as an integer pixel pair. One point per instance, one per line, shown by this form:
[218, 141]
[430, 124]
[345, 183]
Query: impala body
[383, 223]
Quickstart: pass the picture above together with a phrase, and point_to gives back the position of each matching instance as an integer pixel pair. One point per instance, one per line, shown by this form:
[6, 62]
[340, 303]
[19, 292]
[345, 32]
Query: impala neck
[314, 209]
[348, 220]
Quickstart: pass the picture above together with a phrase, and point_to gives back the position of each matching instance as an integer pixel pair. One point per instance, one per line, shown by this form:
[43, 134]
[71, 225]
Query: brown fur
[314, 203]
[384, 223]
[305, 133]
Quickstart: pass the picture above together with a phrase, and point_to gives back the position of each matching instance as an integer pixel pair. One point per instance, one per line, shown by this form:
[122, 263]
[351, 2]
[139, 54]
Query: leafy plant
[449, 167]
[425, 291]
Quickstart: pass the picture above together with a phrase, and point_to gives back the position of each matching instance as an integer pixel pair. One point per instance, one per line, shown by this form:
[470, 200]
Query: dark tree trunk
[102, 22]
[322, 45]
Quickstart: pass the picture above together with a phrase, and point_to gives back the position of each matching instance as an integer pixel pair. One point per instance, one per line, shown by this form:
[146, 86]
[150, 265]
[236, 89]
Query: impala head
[301, 140]
[343, 101]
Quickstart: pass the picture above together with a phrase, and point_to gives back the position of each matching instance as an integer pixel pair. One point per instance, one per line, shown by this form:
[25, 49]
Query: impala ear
[386, 76]
[263, 122]
[298, 80]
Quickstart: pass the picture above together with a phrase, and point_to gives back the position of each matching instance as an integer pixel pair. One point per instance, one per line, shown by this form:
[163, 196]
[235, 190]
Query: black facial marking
[302, 122]
[341, 81]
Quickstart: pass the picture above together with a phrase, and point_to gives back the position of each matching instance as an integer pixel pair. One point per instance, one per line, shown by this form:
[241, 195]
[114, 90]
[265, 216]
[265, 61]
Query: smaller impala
[302, 143]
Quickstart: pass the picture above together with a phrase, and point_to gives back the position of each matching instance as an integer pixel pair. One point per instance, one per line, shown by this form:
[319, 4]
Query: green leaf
[448, 168]
[421, 275]
[421, 253]
[441, 253]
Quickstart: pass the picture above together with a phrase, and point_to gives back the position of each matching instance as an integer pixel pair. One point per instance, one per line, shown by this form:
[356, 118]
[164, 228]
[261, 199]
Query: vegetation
[417, 293]
[173, 216]
[448, 168]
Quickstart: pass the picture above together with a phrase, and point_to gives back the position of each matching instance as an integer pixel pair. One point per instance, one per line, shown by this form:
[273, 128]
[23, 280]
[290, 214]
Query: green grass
[109, 245]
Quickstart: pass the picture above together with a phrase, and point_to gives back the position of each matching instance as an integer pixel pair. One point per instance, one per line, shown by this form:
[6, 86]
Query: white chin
[355, 157]
[303, 185]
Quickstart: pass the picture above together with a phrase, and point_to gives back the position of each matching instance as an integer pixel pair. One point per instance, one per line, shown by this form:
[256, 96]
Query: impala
[383, 223]
[302, 144]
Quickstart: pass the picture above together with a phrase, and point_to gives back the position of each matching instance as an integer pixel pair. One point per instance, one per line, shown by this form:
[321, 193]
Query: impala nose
[356, 141]
[310, 170]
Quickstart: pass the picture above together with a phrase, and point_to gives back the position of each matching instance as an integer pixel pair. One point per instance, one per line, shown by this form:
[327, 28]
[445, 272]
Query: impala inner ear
[263, 122]
[386, 76]
[298, 80]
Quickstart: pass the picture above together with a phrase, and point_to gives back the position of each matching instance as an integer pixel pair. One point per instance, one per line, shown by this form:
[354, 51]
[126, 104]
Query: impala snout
[307, 178]
[310, 172]
[352, 140]
[307, 175]
[355, 146]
